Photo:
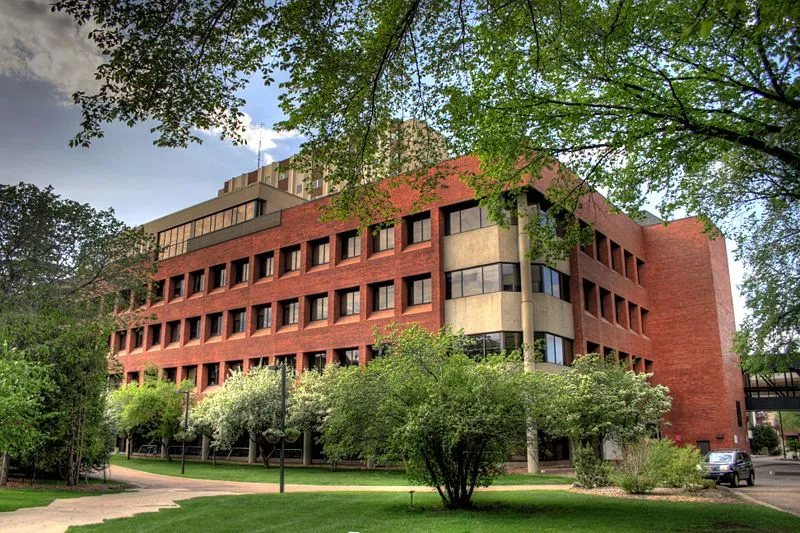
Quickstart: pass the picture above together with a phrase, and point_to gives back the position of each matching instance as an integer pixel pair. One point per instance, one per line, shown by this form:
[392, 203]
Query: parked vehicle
[729, 466]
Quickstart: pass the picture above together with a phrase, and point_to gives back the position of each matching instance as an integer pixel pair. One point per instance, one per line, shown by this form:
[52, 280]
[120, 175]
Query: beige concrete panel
[480, 247]
[484, 313]
[553, 315]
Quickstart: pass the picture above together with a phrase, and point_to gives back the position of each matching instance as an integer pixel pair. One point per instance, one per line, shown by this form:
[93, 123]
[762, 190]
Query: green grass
[13, 499]
[499, 511]
[302, 475]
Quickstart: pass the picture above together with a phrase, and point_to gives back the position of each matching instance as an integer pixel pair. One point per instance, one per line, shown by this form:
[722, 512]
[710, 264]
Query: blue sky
[44, 58]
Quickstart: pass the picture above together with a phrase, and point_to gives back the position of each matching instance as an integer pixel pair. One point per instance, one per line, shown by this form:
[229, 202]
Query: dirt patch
[111, 486]
[707, 495]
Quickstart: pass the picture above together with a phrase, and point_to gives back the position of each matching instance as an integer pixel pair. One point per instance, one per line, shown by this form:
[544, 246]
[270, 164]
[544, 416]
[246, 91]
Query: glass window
[419, 228]
[320, 253]
[349, 303]
[218, 276]
[291, 312]
[138, 337]
[511, 278]
[383, 296]
[155, 334]
[419, 290]
[292, 259]
[491, 278]
[466, 218]
[383, 239]
[555, 349]
[241, 271]
[319, 307]
[212, 374]
[351, 245]
[470, 219]
[349, 357]
[174, 331]
[472, 281]
[158, 291]
[453, 280]
[239, 318]
[550, 281]
[215, 325]
[454, 222]
[177, 286]
[198, 281]
[194, 328]
[318, 361]
[265, 264]
[264, 316]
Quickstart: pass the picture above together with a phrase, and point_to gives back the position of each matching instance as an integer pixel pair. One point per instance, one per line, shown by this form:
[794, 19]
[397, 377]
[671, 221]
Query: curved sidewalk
[157, 491]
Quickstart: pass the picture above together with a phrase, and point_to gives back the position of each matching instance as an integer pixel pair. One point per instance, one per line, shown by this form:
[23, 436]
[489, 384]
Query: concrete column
[526, 284]
[252, 451]
[307, 448]
[205, 445]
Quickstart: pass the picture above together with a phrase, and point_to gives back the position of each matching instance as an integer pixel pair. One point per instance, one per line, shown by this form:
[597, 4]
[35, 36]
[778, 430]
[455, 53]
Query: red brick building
[253, 277]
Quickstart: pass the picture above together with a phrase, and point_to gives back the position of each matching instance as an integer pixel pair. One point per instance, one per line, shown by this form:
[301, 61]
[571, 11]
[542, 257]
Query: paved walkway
[777, 484]
[156, 492]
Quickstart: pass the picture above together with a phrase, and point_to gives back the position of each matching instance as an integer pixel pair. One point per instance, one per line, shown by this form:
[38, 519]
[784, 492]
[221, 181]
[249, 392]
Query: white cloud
[51, 47]
[253, 133]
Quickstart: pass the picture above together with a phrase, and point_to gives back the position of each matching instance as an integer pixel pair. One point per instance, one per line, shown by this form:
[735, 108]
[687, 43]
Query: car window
[720, 457]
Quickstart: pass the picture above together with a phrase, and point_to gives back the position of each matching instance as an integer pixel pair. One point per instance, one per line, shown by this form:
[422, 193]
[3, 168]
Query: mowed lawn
[13, 499]
[299, 475]
[499, 511]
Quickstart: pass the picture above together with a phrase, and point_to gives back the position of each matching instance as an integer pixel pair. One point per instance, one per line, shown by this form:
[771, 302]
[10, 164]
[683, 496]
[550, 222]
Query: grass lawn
[499, 511]
[302, 475]
[13, 499]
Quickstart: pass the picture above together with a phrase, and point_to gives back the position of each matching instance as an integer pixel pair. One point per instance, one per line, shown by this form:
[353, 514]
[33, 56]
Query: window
[133, 377]
[282, 176]
[264, 265]
[290, 361]
[158, 291]
[351, 244]
[170, 374]
[590, 297]
[194, 327]
[419, 290]
[316, 183]
[739, 413]
[382, 239]
[320, 252]
[177, 286]
[238, 320]
[317, 360]
[378, 350]
[122, 340]
[483, 280]
[592, 347]
[419, 228]
[155, 335]
[484, 344]
[318, 307]
[383, 296]
[219, 276]
[264, 316]
[630, 266]
[233, 366]
[298, 189]
[212, 374]
[198, 281]
[606, 305]
[554, 349]
[241, 271]
[138, 337]
[549, 281]
[639, 271]
[174, 331]
[349, 357]
[645, 317]
[620, 308]
[633, 317]
[291, 312]
[349, 302]
[190, 373]
[466, 217]
[173, 241]
[601, 245]
[291, 259]
[215, 325]
[616, 258]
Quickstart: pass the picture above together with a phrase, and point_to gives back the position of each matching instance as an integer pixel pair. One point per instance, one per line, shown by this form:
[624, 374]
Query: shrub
[674, 466]
[590, 469]
[764, 436]
[634, 472]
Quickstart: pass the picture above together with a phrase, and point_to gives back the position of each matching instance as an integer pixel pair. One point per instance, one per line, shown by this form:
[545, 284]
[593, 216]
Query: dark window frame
[423, 285]
[377, 288]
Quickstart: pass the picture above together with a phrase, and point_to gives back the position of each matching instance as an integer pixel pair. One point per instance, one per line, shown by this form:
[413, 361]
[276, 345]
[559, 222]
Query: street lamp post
[185, 429]
[283, 418]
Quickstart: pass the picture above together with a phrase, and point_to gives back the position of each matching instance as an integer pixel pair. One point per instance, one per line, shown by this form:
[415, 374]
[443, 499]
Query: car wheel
[751, 479]
[735, 480]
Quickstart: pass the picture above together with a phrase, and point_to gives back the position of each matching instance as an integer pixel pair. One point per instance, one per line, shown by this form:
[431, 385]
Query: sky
[45, 57]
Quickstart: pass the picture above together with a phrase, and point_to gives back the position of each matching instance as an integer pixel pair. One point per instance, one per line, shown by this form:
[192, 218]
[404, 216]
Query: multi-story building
[253, 277]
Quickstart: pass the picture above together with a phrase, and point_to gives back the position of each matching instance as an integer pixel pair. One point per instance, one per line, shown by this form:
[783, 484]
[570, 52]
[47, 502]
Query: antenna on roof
[260, 126]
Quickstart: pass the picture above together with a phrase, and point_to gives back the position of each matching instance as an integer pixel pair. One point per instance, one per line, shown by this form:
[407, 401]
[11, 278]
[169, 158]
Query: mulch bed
[111, 486]
[707, 495]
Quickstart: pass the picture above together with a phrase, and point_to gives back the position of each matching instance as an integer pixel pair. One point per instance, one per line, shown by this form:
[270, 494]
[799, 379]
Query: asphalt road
[777, 483]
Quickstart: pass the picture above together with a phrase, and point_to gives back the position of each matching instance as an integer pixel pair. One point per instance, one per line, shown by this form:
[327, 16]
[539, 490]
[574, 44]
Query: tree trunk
[128, 445]
[166, 450]
[5, 461]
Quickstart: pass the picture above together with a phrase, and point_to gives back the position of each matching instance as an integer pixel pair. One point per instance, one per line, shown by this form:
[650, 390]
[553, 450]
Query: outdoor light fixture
[282, 438]
[185, 429]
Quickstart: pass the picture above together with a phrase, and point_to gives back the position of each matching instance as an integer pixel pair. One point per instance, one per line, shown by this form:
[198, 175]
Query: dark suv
[729, 466]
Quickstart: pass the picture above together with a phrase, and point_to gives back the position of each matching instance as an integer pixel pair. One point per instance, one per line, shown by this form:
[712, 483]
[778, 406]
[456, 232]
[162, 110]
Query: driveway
[156, 492]
[777, 484]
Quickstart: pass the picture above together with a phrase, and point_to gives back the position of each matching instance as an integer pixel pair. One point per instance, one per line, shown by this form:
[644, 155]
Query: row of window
[615, 257]
[601, 303]
[633, 362]
[349, 303]
[505, 277]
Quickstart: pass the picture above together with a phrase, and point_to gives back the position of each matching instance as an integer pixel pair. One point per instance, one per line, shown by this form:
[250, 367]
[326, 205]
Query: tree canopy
[693, 101]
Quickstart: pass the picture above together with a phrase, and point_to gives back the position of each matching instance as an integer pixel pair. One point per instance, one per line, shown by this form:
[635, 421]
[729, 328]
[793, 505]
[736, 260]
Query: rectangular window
[349, 357]
[190, 374]
[639, 271]
[212, 374]
[264, 264]
[383, 239]
[238, 320]
[215, 325]
[177, 286]
[554, 349]
[419, 228]
[157, 291]
[291, 257]
[289, 361]
[291, 312]
[616, 258]
[484, 344]
[219, 275]
[483, 280]
[241, 271]
[620, 308]
[317, 360]
[170, 374]
[194, 327]
[550, 281]
[349, 302]
[601, 245]
[198, 281]
[419, 290]
[319, 307]
[606, 305]
[738, 413]
[645, 317]
[630, 266]
[383, 296]
[633, 316]
[264, 316]
[351, 244]
[590, 297]
[174, 331]
[122, 340]
[466, 217]
[155, 335]
[320, 252]
[510, 278]
[138, 337]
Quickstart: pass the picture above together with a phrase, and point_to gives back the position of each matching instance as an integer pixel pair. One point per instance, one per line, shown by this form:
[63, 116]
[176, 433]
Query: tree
[696, 101]
[765, 436]
[63, 267]
[247, 404]
[22, 387]
[452, 420]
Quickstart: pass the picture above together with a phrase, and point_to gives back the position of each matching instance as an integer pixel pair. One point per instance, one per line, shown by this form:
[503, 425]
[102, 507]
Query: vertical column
[307, 447]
